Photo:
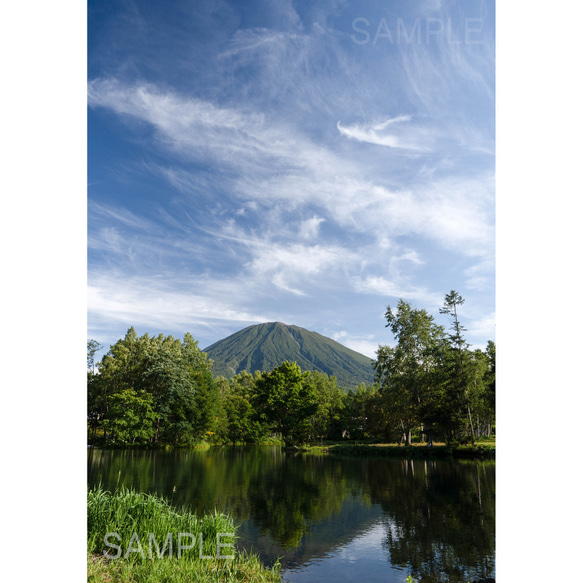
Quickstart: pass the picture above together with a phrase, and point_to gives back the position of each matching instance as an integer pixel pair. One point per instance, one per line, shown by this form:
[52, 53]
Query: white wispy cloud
[411, 256]
[375, 134]
[480, 275]
[149, 301]
[118, 214]
[296, 264]
[456, 213]
[310, 228]
[277, 258]
[107, 239]
[394, 289]
[361, 343]
[484, 327]
[139, 244]
[273, 162]
[441, 72]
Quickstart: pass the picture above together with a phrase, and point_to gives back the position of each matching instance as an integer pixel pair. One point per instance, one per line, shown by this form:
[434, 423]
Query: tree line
[429, 386]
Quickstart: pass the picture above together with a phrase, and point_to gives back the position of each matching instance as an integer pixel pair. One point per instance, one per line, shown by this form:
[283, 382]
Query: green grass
[131, 514]
[245, 569]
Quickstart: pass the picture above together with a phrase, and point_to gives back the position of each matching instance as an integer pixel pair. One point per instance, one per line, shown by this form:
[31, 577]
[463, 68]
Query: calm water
[329, 518]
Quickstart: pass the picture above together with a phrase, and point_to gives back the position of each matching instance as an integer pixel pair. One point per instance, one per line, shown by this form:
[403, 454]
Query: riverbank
[141, 538]
[478, 451]
[482, 450]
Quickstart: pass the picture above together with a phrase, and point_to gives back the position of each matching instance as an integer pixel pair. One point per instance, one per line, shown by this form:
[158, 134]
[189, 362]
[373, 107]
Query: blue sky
[305, 162]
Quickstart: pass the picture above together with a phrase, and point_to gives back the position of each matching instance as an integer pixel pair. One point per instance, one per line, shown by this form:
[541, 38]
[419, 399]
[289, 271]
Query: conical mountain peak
[264, 346]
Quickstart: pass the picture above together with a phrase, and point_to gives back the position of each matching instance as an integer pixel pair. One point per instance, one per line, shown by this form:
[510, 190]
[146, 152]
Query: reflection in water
[328, 516]
[361, 559]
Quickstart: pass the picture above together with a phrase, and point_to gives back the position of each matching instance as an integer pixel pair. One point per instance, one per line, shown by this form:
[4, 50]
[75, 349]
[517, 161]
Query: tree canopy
[165, 382]
[429, 385]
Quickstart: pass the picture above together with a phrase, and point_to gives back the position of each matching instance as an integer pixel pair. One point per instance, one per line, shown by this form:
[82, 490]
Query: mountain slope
[265, 346]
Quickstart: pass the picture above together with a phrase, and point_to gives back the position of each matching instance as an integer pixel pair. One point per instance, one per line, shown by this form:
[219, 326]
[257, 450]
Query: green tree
[124, 363]
[170, 383]
[286, 401]
[460, 376]
[243, 424]
[192, 356]
[221, 428]
[490, 382]
[355, 414]
[405, 371]
[206, 404]
[92, 348]
[326, 422]
[176, 374]
[131, 418]
[382, 422]
[482, 389]
[95, 404]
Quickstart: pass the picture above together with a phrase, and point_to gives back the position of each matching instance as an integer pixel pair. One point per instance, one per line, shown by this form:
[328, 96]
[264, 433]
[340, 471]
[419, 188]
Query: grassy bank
[156, 543]
[479, 451]
[243, 569]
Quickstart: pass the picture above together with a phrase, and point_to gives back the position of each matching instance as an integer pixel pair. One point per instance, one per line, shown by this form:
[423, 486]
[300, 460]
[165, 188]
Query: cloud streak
[151, 302]
[373, 134]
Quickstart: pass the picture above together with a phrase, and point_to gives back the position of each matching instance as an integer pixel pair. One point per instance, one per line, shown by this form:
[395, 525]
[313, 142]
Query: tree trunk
[471, 424]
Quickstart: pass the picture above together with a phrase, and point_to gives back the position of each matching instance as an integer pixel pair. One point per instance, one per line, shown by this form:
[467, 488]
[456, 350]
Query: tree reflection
[438, 515]
[302, 491]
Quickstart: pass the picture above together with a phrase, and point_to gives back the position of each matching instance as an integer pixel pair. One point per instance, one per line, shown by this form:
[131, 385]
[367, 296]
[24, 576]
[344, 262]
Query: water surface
[325, 517]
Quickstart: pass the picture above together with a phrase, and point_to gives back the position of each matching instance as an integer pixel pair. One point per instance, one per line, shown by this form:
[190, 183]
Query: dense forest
[429, 386]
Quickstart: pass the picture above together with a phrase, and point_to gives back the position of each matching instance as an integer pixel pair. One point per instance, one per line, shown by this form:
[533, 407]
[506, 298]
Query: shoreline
[415, 451]
[479, 451]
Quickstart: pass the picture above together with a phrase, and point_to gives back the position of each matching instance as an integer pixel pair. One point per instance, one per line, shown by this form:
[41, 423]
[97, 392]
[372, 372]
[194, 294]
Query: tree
[124, 363]
[285, 400]
[92, 348]
[450, 306]
[206, 404]
[95, 404]
[405, 371]
[485, 383]
[326, 421]
[175, 374]
[459, 383]
[490, 376]
[171, 385]
[221, 426]
[355, 412]
[381, 420]
[131, 418]
[243, 425]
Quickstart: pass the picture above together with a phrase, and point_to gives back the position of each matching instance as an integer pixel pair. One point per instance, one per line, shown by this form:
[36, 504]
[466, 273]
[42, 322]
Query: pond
[327, 517]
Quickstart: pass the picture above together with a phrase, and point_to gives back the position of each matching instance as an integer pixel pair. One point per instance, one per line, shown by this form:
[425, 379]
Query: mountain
[265, 346]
